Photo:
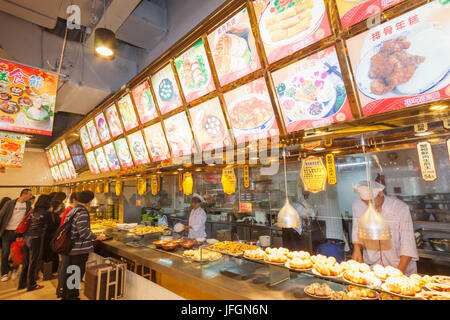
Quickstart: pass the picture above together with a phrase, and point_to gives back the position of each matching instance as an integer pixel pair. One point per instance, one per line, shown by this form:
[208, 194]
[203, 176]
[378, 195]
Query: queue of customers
[45, 216]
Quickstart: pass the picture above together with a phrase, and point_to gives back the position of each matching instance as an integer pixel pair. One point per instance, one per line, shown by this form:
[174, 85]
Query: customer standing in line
[33, 237]
[11, 215]
[82, 238]
[2, 204]
[48, 254]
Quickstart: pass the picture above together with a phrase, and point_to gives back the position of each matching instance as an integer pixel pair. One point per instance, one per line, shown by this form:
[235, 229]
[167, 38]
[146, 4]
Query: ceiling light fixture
[105, 40]
[288, 216]
[438, 107]
[423, 134]
[319, 149]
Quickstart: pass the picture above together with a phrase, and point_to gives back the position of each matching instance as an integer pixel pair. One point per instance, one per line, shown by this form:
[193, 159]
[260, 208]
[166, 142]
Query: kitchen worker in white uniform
[399, 252]
[197, 218]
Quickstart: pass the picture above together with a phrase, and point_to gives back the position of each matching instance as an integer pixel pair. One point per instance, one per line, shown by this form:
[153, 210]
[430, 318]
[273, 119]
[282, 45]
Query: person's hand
[357, 256]
[188, 227]
[101, 237]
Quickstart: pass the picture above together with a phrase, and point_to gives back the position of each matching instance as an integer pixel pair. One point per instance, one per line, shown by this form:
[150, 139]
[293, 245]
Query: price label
[246, 177]
[313, 174]
[188, 183]
[154, 185]
[228, 181]
[421, 127]
[331, 169]
[245, 207]
[426, 160]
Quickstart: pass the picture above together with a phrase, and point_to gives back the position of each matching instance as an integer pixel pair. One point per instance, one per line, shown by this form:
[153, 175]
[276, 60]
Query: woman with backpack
[81, 244]
[33, 237]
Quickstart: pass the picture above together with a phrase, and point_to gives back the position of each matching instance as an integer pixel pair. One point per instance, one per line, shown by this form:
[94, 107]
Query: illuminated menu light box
[72, 170]
[233, 49]
[423, 36]
[93, 134]
[194, 72]
[127, 112]
[113, 120]
[138, 148]
[65, 149]
[102, 127]
[111, 157]
[101, 160]
[92, 162]
[311, 92]
[78, 157]
[144, 102]
[166, 90]
[86, 143]
[179, 135]
[156, 142]
[123, 153]
[250, 112]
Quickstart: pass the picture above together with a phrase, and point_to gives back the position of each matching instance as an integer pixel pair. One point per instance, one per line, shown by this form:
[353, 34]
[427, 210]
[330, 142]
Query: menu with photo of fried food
[403, 62]
[287, 26]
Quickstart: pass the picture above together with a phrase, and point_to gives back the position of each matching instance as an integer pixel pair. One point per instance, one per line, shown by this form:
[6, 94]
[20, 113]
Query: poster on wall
[311, 92]
[138, 148]
[27, 99]
[127, 112]
[123, 153]
[194, 72]
[92, 162]
[156, 142]
[143, 100]
[403, 62]
[86, 143]
[352, 12]
[166, 90]
[113, 120]
[111, 157]
[65, 149]
[101, 160]
[250, 112]
[12, 148]
[209, 125]
[233, 49]
[179, 135]
[92, 130]
[102, 127]
[287, 26]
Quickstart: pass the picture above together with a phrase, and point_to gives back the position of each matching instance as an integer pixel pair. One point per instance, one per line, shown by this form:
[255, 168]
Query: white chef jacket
[303, 209]
[197, 220]
[403, 242]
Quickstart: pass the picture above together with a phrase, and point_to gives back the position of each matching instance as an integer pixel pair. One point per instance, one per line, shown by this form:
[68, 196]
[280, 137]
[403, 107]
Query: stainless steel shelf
[432, 226]
[436, 255]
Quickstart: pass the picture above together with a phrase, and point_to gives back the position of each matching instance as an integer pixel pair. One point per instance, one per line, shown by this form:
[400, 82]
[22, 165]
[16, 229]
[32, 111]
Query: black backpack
[62, 240]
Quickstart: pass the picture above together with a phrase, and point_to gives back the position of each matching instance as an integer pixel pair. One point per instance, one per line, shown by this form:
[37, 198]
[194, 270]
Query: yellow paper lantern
[141, 185]
[154, 185]
[118, 188]
[188, 183]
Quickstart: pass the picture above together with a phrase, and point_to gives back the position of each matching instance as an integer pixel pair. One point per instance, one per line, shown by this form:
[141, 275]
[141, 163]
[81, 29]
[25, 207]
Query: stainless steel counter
[228, 278]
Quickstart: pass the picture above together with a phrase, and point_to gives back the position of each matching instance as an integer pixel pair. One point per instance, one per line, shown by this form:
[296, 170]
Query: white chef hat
[363, 190]
[199, 197]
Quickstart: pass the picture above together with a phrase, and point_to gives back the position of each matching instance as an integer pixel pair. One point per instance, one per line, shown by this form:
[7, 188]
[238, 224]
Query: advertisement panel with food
[156, 142]
[27, 99]
[123, 153]
[12, 148]
[233, 49]
[403, 62]
[65, 149]
[354, 11]
[72, 170]
[179, 135]
[194, 72]
[52, 156]
[102, 127]
[311, 92]
[65, 167]
[113, 120]
[209, 125]
[166, 90]
[287, 26]
[93, 134]
[250, 112]
[143, 100]
[127, 112]
[58, 173]
[92, 162]
[63, 172]
[52, 171]
[85, 138]
[101, 160]
[49, 158]
[110, 152]
[138, 148]
[60, 151]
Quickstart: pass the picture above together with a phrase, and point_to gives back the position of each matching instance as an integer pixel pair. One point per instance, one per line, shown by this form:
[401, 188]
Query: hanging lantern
[141, 185]
[188, 183]
[118, 188]
[229, 181]
[154, 185]
[106, 188]
[288, 216]
[180, 182]
[99, 187]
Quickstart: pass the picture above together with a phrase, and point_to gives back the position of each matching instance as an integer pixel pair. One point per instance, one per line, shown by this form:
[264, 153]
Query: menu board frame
[130, 139]
[111, 145]
[65, 149]
[103, 117]
[182, 152]
[92, 162]
[122, 164]
[168, 91]
[117, 121]
[85, 139]
[127, 125]
[143, 119]
[102, 169]
[163, 138]
[95, 138]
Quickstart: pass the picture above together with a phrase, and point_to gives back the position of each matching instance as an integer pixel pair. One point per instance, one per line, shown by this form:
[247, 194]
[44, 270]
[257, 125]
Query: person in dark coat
[32, 242]
[48, 255]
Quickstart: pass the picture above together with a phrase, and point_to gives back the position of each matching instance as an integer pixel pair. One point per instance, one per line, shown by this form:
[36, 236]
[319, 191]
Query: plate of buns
[401, 286]
[441, 279]
[319, 291]
[364, 293]
[433, 295]
[299, 264]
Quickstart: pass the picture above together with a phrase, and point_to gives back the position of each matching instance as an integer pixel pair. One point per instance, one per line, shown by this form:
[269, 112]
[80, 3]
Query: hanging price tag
[141, 185]
[188, 183]
[99, 187]
[180, 182]
[159, 183]
[118, 188]
[328, 142]
[313, 174]
[446, 123]
[426, 160]
[154, 185]
[246, 177]
[331, 169]
[106, 188]
[421, 127]
[228, 181]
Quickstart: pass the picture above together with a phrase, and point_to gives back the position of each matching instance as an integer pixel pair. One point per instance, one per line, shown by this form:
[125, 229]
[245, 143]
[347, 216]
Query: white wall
[35, 172]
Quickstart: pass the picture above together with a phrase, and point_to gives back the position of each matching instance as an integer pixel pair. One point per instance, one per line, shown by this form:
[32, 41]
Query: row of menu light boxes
[311, 91]
[58, 153]
[64, 171]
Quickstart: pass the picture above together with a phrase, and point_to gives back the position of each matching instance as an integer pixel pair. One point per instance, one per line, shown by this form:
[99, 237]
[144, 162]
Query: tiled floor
[8, 291]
